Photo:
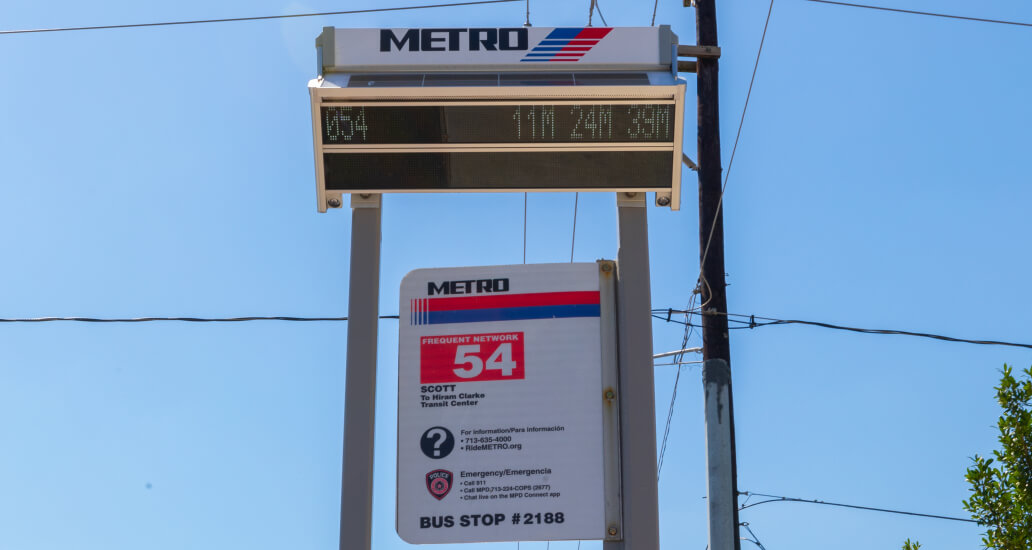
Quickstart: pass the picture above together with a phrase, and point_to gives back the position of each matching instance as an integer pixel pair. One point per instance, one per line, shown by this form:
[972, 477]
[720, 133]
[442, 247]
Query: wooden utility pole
[722, 470]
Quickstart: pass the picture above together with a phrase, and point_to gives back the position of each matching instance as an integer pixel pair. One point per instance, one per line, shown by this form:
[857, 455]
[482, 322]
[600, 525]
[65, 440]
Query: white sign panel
[578, 48]
[500, 404]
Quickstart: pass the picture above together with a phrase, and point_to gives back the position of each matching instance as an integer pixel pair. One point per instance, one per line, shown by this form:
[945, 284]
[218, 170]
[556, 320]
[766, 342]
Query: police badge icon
[439, 483]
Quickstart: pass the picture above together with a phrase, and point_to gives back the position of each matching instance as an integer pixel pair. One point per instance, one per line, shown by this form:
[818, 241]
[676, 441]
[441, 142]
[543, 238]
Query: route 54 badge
[439, 483]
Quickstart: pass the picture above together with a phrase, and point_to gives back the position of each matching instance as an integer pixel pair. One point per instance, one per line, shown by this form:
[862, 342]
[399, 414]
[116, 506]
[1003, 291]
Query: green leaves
[1001, 495]
[907, 545]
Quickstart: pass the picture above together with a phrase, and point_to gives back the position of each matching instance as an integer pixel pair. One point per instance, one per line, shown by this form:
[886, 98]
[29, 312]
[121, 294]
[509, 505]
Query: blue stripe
[564, 33]
[554, 43]
[540, 55]
[548, 49]
[512, 314]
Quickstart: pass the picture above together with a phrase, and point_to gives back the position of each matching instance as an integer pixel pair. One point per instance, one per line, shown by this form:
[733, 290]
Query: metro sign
[494, 48]
[451, 40]
[561, 44]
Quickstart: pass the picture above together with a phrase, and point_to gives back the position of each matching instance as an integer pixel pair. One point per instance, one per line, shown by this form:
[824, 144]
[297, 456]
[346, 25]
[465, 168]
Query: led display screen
[498, 170]
[529, 123]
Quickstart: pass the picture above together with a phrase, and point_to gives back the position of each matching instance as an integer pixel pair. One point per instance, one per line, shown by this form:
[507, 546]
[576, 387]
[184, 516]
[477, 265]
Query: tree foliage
[907, 545]
[1001, 487]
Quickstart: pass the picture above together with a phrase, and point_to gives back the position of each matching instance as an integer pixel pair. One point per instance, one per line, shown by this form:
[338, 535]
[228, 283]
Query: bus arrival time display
[489, 124]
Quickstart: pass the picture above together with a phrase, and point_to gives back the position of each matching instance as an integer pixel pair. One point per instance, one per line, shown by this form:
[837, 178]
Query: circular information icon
[437, 442]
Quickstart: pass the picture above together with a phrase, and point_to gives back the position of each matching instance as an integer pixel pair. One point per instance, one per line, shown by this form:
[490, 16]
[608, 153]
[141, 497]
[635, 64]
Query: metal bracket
[610, 403]
[366, 200]
[689, 162]
[632, 198]
[687, 50]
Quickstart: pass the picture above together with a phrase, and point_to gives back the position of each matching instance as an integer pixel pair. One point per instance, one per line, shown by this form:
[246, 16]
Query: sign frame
[652, 59]
[608, 393]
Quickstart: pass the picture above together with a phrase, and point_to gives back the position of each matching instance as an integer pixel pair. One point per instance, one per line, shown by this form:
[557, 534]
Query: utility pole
[722, 488]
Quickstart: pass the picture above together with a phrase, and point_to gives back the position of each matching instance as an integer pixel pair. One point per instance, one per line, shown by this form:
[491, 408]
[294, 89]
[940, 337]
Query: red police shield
[439, 483]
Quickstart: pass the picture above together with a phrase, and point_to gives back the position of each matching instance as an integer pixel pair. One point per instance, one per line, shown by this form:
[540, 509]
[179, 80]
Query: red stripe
[514, 300]
[597, 33]
[561, 54]
[574, 49]
[564, 59]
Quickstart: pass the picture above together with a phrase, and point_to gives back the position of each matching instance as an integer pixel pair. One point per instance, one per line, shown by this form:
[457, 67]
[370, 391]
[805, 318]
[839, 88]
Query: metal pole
[715, 342]
[637, 386]
[716, 376]
[356, 503]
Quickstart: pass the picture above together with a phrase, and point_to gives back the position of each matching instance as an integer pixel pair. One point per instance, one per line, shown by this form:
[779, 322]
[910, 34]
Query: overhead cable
[598, 8]
[734, 149]
[750, 322]
[932, 14]
[573, 238]
[180, 319]
[257, 18]
[755, 540]
[779, 498]
[745, 322]
[679, 361]
[524, 227]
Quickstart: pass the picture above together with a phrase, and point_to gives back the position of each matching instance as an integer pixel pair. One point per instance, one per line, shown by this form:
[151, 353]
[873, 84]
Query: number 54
[500, 359]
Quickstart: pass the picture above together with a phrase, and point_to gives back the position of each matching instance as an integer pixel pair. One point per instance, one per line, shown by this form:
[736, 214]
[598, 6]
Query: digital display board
[526, 123]
[415, 171]
[409, 119]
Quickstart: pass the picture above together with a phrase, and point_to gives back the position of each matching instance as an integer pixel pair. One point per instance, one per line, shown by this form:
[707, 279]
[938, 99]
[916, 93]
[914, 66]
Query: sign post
[638, 395]
[502, 434]
[356, 505]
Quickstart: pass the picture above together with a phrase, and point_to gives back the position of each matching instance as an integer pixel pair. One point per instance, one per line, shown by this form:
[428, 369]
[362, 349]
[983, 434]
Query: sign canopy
[501, 430]
[497, 109]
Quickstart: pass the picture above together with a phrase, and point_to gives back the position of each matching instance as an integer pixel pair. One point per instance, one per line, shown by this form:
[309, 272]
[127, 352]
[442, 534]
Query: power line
[669, 418]
[524, 227]
[661, 314]
[913, 12]
[573, 239]
[258, 18]
[734, 149]
[779, 498]
[180, 319]
[770, 321]
[678, 360]
[755, 540]
[598, 8]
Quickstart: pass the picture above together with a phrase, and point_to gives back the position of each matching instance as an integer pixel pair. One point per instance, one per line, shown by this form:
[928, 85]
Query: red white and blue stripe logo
[567, 44]
[504, 307]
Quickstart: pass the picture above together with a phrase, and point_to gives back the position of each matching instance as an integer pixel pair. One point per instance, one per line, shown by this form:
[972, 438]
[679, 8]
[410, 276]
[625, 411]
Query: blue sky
[880, 181]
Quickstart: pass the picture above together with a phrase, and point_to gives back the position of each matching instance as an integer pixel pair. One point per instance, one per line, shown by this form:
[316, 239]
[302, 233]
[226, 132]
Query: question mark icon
[437, 442]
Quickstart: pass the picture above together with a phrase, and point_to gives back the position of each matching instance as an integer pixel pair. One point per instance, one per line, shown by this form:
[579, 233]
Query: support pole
[637, 386]
[721, 507]
[356, 503]
[715, 343]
